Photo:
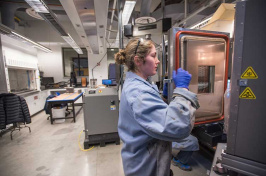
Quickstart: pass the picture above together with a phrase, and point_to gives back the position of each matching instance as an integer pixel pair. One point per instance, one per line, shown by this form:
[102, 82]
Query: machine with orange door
[205, 55]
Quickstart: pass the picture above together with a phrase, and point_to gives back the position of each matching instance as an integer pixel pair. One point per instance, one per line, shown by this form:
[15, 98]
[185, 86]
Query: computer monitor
[47, 80]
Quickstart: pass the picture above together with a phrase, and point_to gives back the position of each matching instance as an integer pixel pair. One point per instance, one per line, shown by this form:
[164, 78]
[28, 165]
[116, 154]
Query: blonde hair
[126, 56]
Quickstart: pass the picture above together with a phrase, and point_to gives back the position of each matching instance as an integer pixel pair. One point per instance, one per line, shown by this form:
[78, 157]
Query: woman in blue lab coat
[147, 125]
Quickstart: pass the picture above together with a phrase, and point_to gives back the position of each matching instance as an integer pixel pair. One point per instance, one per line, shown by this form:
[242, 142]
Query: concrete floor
[53, 150]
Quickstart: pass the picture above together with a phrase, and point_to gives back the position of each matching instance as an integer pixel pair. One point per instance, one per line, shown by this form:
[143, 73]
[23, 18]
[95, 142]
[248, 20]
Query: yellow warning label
[249, 74]
[247, 94]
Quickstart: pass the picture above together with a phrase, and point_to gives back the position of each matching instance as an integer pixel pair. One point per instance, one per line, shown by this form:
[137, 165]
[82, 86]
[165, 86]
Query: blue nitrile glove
[181, 78]
[165, 90]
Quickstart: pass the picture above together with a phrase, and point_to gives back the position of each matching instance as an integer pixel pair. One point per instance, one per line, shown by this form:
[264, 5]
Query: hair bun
[120, 57]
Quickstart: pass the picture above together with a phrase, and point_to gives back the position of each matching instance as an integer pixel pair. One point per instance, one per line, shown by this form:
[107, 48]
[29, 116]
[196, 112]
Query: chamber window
[206, 76]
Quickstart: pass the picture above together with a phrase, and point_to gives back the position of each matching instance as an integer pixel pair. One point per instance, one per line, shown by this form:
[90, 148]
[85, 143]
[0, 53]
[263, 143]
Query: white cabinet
[42, 99]
[36, 101]
[31, 103]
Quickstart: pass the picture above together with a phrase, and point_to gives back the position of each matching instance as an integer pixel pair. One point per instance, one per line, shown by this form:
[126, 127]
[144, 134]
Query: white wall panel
[51, 63]
[100, 72]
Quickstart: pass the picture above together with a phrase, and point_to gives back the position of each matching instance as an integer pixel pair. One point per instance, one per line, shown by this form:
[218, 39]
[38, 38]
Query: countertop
[26, 94]
[29, 93]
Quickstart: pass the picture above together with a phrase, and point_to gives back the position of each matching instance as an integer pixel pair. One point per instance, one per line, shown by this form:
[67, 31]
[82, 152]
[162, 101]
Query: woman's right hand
[181, 78]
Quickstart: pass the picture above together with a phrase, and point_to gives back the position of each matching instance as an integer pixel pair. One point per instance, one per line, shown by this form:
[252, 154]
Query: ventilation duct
[222, 20]
[42, 9]
[8, 13]
[31, 12]
[86, 12]
[52, 20]
[145, 17]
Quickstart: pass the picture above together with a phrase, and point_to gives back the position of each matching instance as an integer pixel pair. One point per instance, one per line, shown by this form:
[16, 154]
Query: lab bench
[36, 99]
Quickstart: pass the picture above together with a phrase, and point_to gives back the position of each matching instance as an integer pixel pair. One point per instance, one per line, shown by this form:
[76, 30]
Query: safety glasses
[140, 40]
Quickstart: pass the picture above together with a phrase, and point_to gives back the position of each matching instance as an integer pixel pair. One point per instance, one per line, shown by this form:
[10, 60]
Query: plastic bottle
[227, 96]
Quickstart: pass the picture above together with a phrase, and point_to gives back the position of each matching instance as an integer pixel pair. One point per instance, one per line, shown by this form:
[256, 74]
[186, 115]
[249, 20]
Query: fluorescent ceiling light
[38, 5]
[72, 43]
[9, 32]
[4, 30]
[127, 11]
[35, 44]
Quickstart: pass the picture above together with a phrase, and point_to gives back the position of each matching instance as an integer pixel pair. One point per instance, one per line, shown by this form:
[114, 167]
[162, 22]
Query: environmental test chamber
[245, 150]
[205, 55]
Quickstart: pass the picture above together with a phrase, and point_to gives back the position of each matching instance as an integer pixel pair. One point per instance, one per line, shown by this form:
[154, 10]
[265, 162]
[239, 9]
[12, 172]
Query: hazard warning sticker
[247, 94]
[249, 74]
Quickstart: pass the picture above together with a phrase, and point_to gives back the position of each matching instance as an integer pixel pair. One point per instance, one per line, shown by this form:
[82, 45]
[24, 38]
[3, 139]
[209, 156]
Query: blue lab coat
[147, 126]
[189, 143]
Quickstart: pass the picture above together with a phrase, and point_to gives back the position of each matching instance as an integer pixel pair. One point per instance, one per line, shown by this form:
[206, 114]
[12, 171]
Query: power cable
[80, 145]
[98, 64]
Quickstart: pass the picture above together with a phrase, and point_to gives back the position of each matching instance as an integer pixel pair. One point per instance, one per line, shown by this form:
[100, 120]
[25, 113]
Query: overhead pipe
[120, 25]
[185, 15]
[8, 13]
[210, 3]
[112, 19]
[163, 51]
[145, 8]
[120, 6]
[145, 16]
